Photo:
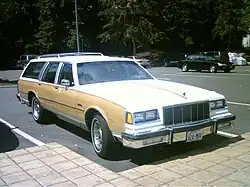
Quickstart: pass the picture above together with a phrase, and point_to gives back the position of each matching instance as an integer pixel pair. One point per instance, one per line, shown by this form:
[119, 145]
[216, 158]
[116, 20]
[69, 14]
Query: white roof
[81, 59]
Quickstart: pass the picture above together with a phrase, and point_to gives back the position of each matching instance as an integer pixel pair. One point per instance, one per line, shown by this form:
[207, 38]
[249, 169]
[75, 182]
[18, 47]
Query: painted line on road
[21, 133]
[165, 79]
[192, 75]
[240, 104]
[227, 134]
[205, 74]
[9, 86]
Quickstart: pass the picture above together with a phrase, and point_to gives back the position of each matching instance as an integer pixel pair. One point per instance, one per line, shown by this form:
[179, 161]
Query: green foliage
[138, 25]
[128, 23]
[47, 29]
[7, 9]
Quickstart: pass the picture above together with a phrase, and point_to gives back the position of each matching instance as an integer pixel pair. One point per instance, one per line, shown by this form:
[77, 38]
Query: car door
[208, 62]
[191, 61]
[46, 87]
[65, 103]
[201, 62]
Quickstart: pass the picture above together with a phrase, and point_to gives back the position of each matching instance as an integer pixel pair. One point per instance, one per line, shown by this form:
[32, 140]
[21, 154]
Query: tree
[229, 25]
[127, 24]
[45, 37]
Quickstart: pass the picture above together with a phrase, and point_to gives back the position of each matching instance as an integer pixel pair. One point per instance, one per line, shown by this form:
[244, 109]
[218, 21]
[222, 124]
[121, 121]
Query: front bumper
[224, 67]
[186, 132]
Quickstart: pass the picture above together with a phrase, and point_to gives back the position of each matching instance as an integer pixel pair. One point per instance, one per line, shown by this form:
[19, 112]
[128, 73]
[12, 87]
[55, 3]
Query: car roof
[81, 59]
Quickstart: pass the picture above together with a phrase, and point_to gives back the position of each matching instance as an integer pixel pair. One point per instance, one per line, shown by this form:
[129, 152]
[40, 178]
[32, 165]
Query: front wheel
[184, 67]
[102, 139]
[40, 115]
[212, 69]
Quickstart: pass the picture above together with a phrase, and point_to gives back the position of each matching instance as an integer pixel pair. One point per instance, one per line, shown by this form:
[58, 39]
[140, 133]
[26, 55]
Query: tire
[102, 139]
[227, 70]
[212, 69]
[39, 114]
[184, 67]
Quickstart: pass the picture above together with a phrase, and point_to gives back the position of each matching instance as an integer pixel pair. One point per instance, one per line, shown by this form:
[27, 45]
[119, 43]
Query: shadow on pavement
[8, 140]
[73, 129]
[162, 153]
[154, 154]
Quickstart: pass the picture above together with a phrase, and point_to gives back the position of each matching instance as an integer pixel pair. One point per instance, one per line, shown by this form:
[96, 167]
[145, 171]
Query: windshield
[210, 58]
[107, 71]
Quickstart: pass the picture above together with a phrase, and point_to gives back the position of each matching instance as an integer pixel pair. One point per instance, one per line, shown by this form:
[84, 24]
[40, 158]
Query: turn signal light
[129, 119]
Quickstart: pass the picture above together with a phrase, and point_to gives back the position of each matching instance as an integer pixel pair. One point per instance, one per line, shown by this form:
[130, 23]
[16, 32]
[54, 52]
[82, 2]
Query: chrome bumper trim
[174, 133]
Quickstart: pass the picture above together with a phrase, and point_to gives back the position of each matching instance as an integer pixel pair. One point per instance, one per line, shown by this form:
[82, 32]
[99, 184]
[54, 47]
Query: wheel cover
[184, 67]
[97, 135]
[212, 68]
[36, 109]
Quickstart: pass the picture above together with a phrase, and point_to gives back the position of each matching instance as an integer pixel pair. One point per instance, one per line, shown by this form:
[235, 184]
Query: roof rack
[71, 54]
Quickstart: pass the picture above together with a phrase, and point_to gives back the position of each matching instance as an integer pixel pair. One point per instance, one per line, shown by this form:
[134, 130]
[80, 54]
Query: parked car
[237, 59]
[202, 62]
[24, 59]
[142, 61]
[117, 100]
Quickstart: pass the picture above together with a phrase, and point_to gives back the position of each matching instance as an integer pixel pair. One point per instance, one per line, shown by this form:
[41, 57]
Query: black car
[172, 60]
[203, 62]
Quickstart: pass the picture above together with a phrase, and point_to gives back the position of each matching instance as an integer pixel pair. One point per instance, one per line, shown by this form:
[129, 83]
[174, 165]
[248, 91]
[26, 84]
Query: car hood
[139, 95]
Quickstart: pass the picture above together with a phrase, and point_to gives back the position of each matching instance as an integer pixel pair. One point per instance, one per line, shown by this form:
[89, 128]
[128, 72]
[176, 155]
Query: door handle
[39, 84]
[56, 87]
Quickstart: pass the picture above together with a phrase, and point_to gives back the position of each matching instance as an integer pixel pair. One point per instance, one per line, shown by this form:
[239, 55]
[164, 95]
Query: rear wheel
[102, 138]
[184, 67]
[40, 115]
[212, 69]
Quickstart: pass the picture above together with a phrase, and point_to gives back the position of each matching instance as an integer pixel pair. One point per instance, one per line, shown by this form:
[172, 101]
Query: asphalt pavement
[234, 85]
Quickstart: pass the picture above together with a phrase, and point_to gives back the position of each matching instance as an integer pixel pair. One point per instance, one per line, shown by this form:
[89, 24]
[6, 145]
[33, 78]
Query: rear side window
[33, 70]
[191, 57]
[50, 73]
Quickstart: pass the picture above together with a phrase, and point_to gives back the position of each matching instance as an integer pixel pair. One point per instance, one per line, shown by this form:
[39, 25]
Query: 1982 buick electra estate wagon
[116, 99]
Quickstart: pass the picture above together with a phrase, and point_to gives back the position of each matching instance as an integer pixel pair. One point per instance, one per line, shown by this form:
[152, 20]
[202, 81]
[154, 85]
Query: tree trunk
[134, 47]
[229, 40]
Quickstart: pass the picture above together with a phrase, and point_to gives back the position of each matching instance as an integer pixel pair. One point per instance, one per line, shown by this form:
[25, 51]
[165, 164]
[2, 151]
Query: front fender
[99, 110]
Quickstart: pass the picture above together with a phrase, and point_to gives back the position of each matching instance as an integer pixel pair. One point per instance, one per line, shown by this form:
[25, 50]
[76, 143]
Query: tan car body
[114, 100]
[68, 104]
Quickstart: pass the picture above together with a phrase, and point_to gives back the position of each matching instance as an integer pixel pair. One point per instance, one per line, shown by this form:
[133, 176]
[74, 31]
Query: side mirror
[65, 82]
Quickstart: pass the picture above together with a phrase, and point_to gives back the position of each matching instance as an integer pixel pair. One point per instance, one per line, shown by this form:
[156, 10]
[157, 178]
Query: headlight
[144, 116]
[139, 117]
[217, 104]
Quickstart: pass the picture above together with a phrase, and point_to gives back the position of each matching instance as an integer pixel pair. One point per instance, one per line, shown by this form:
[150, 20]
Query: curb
[8, 86]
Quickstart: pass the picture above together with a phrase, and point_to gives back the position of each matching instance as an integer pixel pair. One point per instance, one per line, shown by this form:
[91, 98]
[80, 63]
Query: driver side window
[66, 73]
[202, 58]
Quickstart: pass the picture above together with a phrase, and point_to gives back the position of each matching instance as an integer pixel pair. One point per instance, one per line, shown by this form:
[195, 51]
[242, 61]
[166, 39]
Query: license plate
[195, 135]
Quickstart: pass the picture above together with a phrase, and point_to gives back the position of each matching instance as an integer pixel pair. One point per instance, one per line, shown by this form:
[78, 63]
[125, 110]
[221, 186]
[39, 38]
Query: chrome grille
[186, 113]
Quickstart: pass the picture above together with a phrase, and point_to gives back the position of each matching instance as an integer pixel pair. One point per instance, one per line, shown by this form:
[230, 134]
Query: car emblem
[184, 93]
